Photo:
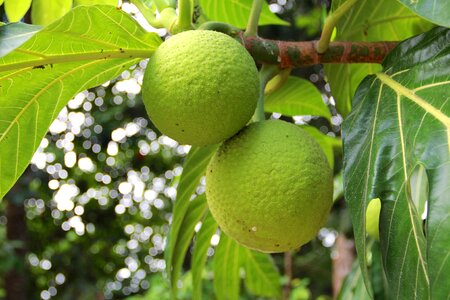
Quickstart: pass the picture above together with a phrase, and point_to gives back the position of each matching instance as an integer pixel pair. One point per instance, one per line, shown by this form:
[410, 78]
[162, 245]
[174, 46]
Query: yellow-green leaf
[40, 77]
[44, 12]
[16, 9]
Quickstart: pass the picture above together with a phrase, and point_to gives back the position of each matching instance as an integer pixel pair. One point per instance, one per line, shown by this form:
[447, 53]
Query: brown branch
[299, 54]
[342, 262]
[288, 260]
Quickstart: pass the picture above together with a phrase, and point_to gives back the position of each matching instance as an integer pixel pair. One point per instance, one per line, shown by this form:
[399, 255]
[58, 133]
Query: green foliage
[396, 148]
[63, 68]
[95, 2]
[401, 118]
[44, 12]
[194, 214]
[194, 168]
[435, 11]
[353, 287]
[237, 12]
[199, 254]
[16, 9]
[370, 20]
[227, 262]
[261, 275]
[297, 97]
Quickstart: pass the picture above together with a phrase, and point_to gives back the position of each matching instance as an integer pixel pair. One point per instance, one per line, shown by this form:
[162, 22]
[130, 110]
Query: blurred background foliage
[89, 217]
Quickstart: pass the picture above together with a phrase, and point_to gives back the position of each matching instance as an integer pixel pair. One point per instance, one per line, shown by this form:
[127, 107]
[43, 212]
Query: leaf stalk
[147, 13]
[252, 25]
[330, 24]
[184, 20]
[266, 73]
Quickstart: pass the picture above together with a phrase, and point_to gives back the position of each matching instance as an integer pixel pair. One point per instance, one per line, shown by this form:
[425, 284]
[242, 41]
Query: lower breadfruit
[270, 186]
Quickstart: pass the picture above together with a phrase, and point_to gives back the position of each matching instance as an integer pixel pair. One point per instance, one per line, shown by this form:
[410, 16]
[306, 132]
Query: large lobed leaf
[401, 119]
[68, 56]
[368, 20]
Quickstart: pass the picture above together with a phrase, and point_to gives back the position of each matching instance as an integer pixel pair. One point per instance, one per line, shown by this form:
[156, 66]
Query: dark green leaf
[39, 78]
[194, 214]
[227, 263]
[437, 11]
[194, 168]
[400, 119]
[261, 275]
[237, 12]
[14, 35]
[297, 97]
[199, 254]
[370, 20]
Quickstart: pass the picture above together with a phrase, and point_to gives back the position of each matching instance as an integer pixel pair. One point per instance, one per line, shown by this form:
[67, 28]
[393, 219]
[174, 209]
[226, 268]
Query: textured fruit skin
[270, 187]
[373, 218]
[200, 87]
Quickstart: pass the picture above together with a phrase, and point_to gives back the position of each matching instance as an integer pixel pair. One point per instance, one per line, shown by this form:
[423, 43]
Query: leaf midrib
[33, 99]
[401, 90]
[408, 93]
[258, 268]
[65, 58]
[411, 95]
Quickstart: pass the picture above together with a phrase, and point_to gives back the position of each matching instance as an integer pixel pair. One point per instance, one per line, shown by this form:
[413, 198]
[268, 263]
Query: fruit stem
[220, 27]
[288, 261]
[266, 73]
[330, 23]
[184, 20]
[168, 18]
[277, 81]
[147, 13]
[252, 25]
[161, 5]
[172, 3]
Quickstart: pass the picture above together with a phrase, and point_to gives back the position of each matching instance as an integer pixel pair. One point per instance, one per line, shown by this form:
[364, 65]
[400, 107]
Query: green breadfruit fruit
[270, 187]
[200, 87]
